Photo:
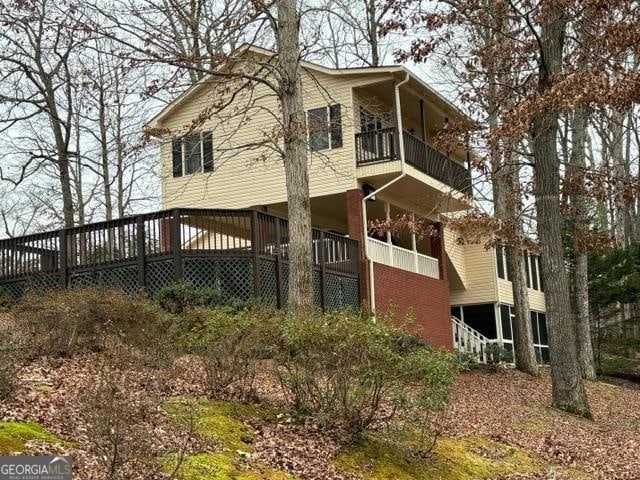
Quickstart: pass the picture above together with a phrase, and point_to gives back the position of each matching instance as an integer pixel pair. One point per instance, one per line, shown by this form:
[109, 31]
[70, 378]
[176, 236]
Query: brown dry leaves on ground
[507, 406]
[514, 408]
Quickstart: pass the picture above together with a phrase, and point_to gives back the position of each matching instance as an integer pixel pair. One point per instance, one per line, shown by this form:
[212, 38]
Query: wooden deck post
[176, 245]
[423, 123]
[396, 123]
[255, 250]
[279, 297]
[141, 252]
[323, 272]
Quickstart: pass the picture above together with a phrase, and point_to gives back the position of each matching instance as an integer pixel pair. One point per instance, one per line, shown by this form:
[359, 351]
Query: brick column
[356, 230]
[438, 251]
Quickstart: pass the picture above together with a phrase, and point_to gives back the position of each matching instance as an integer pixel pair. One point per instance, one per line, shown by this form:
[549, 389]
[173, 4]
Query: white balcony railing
[402, 258]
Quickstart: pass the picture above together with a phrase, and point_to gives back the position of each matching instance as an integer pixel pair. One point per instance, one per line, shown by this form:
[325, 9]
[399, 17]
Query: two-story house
[370, 136]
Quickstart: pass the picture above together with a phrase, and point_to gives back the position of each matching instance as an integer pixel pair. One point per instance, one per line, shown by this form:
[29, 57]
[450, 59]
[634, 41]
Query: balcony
[382, 146]
[409, 260]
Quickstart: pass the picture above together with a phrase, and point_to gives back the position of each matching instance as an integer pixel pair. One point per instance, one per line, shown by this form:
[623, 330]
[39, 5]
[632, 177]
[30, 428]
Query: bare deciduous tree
[36, 45]
[235, 76]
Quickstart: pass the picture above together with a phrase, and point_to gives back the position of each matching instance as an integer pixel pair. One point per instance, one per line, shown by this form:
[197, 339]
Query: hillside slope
[498, 426]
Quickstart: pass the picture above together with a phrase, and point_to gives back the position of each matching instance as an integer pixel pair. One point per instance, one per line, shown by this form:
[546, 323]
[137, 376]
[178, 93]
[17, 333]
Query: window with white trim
[538, 329]
[192, 154]
[325, 127]
[501, 263]
[531, 265]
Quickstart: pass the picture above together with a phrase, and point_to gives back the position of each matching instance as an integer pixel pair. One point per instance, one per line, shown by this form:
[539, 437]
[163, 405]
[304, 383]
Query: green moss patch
[453, 459]
[14, 436]
[224, 424]
[221, 466]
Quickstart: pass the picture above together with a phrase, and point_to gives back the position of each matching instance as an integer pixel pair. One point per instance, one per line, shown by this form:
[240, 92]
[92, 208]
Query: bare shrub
[349, 370]
[122, 413]
[11, 354]
[63, 323]
[229, 344]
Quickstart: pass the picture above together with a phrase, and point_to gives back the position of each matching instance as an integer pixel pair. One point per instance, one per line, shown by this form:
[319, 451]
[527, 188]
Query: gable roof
[441, 101]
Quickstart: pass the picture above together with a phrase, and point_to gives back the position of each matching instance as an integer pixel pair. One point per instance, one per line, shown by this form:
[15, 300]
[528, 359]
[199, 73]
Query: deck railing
[244, 253]
[393, 256]
[376, 146]
[381, 146]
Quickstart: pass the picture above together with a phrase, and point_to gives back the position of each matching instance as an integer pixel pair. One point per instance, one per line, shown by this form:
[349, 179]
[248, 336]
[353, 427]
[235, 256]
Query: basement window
[192, 154]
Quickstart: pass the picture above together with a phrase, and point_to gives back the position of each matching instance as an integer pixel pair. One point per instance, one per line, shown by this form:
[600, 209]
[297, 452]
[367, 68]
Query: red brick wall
[428, 297]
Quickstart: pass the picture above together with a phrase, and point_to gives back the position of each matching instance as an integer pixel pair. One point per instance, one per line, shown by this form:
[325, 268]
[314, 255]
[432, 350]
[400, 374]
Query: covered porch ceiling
[414, 106]
[328, 212]
[414, 195]
[383, 93]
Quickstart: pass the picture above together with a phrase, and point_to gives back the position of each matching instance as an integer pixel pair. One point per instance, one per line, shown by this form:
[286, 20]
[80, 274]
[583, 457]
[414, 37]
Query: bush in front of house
[11, 354]
[356, 372]
[63, 323]
[341, 368]
[179, 297]
[229, 343]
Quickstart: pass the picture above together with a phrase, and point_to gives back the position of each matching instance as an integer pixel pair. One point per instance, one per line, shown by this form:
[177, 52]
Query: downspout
[372, 287]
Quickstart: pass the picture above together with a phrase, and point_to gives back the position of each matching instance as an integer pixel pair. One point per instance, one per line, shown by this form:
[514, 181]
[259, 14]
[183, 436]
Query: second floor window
[325, 127]
[192, 154]
[500, 263]
[531, 265]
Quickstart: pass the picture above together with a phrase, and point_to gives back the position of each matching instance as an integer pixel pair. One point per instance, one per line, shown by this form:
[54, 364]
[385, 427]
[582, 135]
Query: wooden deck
[243, 253]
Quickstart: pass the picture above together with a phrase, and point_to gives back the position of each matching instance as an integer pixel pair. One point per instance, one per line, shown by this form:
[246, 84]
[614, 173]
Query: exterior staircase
[469, 341]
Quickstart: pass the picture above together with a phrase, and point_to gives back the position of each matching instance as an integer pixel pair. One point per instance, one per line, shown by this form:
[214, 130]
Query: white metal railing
[388, 254]
[468, 340]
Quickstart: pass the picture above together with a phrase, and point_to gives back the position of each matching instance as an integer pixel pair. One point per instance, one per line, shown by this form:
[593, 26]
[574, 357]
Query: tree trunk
[507, 202]
[373, 33]
[295, 160]
[65, 187]
[583, 326]
[507, 192]
[568, 389]
[104, 154]
[581, 276]
[524, 351]
[616, 126]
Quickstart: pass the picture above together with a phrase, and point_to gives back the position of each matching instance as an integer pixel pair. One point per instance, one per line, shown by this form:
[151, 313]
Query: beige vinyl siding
[456, 254]
[480, 276]
[246, 176]
[379, 168]
[505, 294]
[536, 301]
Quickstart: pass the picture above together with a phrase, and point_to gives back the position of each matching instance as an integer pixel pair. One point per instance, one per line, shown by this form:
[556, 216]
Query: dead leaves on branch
[404, 222]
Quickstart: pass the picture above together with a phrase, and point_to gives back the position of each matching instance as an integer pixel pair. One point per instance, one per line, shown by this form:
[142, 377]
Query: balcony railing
[242, 253]
[402, 258]
[382, 146]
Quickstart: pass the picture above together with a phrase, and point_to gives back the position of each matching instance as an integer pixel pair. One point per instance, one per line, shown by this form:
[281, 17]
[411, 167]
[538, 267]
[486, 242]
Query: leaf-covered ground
[499, 425]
